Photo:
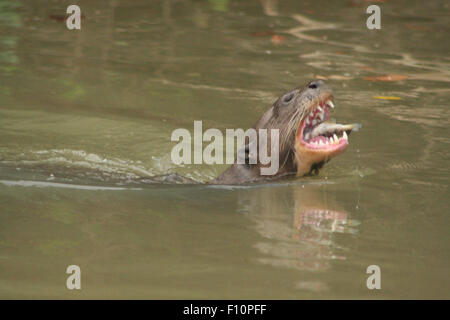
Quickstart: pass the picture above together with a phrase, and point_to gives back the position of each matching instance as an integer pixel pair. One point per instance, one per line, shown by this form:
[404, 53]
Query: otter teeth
[316, 116]
[345, 136]
[330, 104]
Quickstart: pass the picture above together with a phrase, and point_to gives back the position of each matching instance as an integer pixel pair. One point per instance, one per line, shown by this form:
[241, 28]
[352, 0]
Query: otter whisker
[288, 129]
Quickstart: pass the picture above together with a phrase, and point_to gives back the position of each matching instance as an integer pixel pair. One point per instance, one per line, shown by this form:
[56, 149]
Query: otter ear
[287, 98]
[248, 154]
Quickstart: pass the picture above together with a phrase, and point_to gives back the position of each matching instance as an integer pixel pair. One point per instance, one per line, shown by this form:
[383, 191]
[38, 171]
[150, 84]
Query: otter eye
[288, 97]
[313, 86]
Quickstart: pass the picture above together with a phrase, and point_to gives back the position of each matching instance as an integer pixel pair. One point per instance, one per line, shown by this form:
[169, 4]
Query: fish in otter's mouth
[317, 139]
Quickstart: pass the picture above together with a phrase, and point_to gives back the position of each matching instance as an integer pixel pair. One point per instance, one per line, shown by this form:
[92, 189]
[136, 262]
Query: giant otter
[306, 140]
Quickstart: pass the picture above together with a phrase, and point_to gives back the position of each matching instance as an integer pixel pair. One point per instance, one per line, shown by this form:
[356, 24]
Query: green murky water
[85, 124]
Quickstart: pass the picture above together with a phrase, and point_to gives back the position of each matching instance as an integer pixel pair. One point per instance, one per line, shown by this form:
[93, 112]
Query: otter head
[301, 116]
[306, 140]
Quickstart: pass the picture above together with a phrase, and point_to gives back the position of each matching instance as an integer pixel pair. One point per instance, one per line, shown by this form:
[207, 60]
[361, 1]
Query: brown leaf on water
[61, 18]
[417, 27]
[57, 17]
[389, 77]
[387, 98]
[276, 39]
[367, 68]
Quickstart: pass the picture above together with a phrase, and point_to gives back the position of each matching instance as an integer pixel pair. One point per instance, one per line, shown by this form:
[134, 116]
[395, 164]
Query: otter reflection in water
[298, 226]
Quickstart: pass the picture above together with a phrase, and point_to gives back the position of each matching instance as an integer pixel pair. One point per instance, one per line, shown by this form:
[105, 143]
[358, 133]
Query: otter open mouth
[317, 139]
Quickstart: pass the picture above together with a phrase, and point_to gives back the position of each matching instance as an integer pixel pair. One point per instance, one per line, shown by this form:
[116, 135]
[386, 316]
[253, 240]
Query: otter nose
[316, 84]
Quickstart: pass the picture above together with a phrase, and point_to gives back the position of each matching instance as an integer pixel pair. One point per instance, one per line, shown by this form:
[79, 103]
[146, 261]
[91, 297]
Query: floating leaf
[416, 27]
[367, 68]
[61, 18]
[387, 98]
[276, 39]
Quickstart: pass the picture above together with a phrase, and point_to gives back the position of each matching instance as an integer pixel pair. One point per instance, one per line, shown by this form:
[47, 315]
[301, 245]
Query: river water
[86, 118]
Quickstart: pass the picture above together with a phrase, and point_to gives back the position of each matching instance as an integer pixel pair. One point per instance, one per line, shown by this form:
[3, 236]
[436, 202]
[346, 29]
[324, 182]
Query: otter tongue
[330, 128]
